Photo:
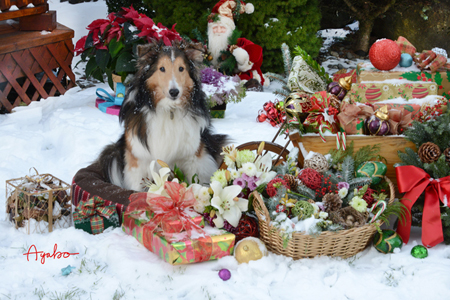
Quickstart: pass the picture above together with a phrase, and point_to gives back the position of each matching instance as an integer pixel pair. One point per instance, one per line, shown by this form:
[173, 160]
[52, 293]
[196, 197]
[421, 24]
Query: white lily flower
[263, 166]
[229, 206]
[158, 186]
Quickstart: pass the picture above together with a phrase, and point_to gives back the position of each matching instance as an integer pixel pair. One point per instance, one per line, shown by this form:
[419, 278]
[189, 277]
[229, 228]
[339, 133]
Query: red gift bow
[413, 181]
[169, 212]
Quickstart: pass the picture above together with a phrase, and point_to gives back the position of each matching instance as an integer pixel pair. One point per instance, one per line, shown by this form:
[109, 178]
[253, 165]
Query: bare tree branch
[382, 10]
[350, 5]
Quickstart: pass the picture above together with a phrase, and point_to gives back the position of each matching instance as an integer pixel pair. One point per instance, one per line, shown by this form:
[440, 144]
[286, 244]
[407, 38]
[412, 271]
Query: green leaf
[109, 76]
[438, 78]
[114, 47]
[90, 66]
[126, 63]
[98, 74]
[89, 41]
[408, 108]
[102, 59]
[411, 76]
[179, 174]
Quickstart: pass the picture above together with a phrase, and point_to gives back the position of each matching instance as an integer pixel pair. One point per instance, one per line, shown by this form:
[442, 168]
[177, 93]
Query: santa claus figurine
[231, 53]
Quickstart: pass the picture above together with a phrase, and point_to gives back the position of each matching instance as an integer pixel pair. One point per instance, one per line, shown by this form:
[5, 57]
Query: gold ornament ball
[249, 249]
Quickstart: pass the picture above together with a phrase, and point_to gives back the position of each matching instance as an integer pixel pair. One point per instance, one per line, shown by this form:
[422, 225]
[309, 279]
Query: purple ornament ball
[224, 274]
[335, 89]
[377, 126]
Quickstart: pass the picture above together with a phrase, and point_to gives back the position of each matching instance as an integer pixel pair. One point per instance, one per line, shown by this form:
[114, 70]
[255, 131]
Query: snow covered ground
[60, 135]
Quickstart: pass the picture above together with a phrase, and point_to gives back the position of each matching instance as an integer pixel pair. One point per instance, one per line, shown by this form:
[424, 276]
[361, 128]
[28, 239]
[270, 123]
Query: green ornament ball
[387, 241]
[419, 251]
[302, 209]
[373, 169]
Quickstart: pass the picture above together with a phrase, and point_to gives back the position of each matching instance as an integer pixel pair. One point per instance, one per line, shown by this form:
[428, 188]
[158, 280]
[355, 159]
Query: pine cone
[429, 152]
[331, 202]
[447, 155]
[291, 181]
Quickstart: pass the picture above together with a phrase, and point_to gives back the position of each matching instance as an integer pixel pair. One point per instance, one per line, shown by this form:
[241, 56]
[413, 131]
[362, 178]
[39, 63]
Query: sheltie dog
[166, 117]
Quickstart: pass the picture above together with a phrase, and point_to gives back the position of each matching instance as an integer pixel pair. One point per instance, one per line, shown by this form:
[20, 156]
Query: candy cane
[341, 140]
[322, 129]
[383, 208]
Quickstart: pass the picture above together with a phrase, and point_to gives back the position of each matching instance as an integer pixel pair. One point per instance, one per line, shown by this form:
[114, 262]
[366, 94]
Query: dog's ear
[151, 47]
[195, 52]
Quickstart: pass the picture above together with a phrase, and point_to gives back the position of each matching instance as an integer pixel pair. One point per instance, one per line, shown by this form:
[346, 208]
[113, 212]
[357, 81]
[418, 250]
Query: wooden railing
[9, 12]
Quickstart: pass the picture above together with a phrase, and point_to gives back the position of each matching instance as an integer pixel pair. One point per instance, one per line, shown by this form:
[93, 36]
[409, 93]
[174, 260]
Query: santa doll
[231, 53]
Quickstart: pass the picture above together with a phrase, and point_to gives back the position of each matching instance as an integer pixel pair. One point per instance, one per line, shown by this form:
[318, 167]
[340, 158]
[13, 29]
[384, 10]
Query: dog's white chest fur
[173, 136]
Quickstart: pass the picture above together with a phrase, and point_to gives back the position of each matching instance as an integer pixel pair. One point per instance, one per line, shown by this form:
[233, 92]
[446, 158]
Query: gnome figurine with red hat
[230, 53]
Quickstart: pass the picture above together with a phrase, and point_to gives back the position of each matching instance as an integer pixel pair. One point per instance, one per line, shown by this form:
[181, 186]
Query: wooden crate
[39, 7]
[389, 147]
[34, 65]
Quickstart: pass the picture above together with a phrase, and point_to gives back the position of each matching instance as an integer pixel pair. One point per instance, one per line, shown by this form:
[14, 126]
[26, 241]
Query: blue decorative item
[108, 105]
[120, 93]
[405, 60]
[67, 270]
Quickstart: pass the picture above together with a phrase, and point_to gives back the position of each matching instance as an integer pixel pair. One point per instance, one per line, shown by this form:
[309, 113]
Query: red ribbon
[169, 212]
[413, 181]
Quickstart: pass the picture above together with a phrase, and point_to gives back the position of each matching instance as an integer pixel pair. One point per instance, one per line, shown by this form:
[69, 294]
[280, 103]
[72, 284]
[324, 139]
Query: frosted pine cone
[291, 181]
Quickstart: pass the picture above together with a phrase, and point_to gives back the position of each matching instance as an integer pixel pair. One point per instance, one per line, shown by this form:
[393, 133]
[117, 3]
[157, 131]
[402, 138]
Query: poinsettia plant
[111, 44]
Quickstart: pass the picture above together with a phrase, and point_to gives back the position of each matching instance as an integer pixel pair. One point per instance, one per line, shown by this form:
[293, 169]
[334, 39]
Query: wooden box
[389, 147]
[34, 65]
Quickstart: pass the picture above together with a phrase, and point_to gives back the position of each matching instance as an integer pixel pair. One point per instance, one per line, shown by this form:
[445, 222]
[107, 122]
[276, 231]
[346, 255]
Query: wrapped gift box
[374, 91]
[367, 72]
[216, 244]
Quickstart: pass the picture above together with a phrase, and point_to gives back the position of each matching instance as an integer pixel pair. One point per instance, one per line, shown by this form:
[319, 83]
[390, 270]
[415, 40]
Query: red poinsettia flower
[79, 46]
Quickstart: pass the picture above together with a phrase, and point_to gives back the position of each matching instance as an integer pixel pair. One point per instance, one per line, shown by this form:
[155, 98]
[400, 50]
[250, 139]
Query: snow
[60, 135]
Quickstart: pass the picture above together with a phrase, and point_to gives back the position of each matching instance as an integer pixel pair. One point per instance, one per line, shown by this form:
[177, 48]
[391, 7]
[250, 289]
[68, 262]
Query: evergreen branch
[397, 209]
[410, 158]
[358, 182]
[235, 35]
[348, 168]
[304, 190]
[276, 77]
[366, 153]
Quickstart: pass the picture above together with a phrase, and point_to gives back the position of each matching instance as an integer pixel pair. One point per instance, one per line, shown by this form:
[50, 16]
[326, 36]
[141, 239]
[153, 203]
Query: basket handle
[260, 207]
[391, 189]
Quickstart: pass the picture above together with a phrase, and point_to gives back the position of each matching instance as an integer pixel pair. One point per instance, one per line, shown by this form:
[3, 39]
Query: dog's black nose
[174, 92]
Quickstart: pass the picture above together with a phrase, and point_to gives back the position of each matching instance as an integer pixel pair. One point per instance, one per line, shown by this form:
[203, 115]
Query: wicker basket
[344, 243]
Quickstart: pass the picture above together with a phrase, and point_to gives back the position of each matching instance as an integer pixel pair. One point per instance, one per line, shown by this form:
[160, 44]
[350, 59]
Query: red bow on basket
[169, 212]
[413, 181]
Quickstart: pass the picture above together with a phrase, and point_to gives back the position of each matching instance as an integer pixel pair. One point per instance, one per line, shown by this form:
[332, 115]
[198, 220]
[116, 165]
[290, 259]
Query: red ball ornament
[311, 178]
[262, 118]
[385, 54]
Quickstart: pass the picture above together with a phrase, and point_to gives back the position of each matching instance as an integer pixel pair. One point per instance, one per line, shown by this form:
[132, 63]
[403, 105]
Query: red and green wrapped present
[94, 216]
[406, 46]
[165, 227]
[322, 115]
[367, 72]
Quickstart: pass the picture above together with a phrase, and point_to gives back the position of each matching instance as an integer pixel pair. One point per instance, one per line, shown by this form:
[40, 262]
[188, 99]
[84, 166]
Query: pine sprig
[306, 191]
[438, 169]
[436, 131]
[348, 168]
[287, 59]
[276, 77]
[313, 64]
[445, 217]
[409, 158]
[337, 156]
[367, 153]
[358, 182]
[395, 209]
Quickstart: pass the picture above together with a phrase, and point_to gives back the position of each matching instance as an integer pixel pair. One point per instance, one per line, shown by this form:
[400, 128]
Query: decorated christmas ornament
[341, 87]
[419, 251]
[224, 274]
[429, 152]
[385, 54]
[311, 178]
[373, 169]
[297, 105]
[387, 241]
[406, 60]
[303, 210]
[377, 124]
[249, 249]
[317, 162]
[248, 226]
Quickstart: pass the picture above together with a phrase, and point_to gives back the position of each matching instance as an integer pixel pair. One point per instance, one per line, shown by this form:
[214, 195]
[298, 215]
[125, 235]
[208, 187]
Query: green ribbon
[95, 209]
